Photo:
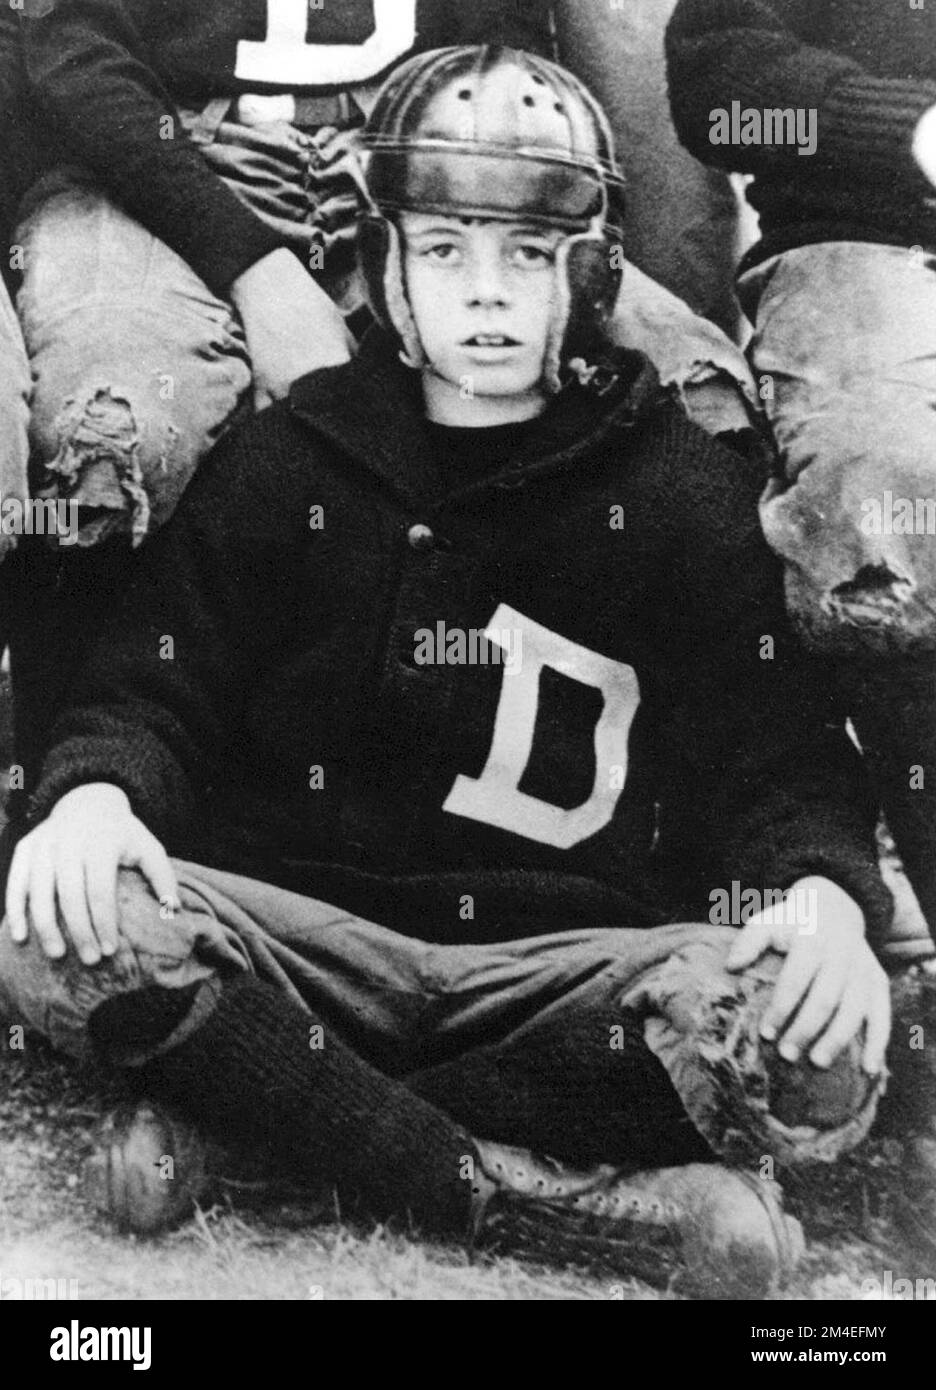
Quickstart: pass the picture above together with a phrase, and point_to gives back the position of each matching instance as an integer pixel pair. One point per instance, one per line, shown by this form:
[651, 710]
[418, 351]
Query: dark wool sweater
[108, 72]
[265, 700]
[868, 67]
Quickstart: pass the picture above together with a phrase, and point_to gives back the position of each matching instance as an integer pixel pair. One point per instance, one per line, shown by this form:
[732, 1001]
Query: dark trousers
[613, 1044]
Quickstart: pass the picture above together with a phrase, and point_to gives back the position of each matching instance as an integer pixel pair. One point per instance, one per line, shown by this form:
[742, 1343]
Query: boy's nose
[486, 280]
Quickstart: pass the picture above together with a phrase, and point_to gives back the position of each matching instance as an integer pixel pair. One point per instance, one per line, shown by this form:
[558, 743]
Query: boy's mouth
[491, 340]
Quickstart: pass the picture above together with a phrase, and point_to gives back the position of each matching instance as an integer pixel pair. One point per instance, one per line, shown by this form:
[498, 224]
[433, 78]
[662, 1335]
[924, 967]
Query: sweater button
[421, 537]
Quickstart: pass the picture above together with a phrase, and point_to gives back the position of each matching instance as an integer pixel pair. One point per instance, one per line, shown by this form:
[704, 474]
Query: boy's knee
[141, 993]
[749, 1103]
[861, 570]
[882, 611]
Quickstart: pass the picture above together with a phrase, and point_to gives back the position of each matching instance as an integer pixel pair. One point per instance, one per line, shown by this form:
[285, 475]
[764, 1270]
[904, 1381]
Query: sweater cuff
[868, 124]
[857, 875]
[226, 248]
[80, 762]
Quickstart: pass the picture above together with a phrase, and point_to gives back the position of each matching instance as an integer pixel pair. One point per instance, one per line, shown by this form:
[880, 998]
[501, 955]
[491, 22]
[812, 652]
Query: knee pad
[703, 1023]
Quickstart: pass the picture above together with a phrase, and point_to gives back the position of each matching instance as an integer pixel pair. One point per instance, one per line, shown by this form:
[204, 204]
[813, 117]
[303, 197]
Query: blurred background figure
[683, 224]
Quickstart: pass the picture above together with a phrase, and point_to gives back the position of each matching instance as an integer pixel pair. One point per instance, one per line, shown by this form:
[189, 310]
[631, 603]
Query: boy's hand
[831, 980]
[924, 144]
[64, 873]
[291, 325]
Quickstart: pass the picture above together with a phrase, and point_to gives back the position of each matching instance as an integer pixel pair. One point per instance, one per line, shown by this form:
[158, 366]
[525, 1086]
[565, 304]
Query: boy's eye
[534, 254]
[445, 251]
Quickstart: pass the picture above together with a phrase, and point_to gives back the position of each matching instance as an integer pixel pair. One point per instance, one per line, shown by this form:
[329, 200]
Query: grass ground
[276, 1250]
[294, 1250]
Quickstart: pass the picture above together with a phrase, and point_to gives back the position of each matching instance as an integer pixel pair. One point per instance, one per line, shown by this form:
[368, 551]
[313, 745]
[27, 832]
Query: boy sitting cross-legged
[462, 683]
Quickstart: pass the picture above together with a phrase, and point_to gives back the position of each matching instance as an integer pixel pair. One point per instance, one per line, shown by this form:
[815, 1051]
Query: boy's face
[482, 294]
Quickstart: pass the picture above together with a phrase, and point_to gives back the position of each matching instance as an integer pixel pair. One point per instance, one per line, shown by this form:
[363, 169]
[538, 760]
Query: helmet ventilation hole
[464, 94]
[529, 101]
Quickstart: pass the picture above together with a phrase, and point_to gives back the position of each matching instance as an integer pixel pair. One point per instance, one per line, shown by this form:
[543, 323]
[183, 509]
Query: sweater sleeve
[158, 702]
[721, 51]
[783, 791]
[87, 63]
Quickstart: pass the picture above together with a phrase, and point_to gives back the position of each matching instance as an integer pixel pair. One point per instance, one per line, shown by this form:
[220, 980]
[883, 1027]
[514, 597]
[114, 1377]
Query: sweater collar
[372, 408]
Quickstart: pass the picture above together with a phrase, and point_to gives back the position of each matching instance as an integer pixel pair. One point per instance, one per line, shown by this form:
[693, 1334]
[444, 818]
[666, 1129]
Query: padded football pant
[845, 351]
[539, 1042]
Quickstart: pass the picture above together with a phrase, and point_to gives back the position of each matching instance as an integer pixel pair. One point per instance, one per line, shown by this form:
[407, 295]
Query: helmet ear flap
[373, 242]
[381, 259]
[587, 286]
[594, 284]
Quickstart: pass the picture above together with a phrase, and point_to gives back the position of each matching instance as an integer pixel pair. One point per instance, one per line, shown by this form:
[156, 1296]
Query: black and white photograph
[468, 690]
